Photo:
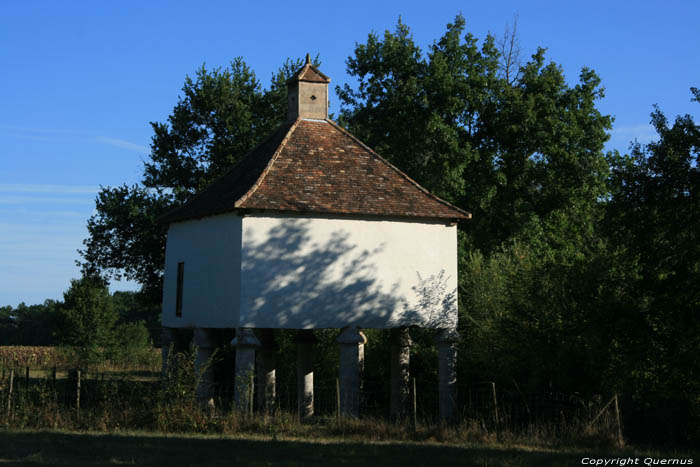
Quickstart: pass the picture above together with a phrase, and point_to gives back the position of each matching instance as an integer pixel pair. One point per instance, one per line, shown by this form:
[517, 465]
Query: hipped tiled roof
[315, 166]
[309, 73]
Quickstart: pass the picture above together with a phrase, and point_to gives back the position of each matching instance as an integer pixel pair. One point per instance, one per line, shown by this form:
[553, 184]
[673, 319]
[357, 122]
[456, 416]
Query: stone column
[400, 360]
[205, 342]
[349, 372]
[446, 341]
[245, 343]
[266, 363]
[168, 343]
[305, 374]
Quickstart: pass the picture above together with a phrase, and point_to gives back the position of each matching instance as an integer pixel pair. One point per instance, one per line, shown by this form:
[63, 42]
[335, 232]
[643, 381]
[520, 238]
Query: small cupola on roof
[307, 93]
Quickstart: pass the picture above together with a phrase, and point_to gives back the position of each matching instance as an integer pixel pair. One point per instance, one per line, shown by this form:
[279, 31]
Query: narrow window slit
[180, 278]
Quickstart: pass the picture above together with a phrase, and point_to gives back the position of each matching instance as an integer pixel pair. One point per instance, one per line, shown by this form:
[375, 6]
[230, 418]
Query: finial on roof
[308, 59]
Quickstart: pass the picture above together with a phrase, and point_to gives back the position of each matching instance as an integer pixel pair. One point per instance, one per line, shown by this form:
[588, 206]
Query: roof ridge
[396, 169]
[267, 168]
[212, 185]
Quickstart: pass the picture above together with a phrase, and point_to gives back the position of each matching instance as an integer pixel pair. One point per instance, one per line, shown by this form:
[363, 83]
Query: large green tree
[516, 152]
[653, 218]
[221, 115]
[523, 151]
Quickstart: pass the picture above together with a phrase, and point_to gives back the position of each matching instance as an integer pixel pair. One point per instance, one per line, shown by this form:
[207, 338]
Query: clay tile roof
[315, 166]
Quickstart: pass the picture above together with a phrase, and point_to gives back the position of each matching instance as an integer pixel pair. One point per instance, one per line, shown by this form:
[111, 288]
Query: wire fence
[492, 407]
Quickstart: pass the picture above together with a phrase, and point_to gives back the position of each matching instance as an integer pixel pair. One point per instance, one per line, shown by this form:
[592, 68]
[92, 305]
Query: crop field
[44, 358]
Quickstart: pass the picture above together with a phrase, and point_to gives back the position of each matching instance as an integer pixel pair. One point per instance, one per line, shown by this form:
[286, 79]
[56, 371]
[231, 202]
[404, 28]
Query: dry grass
[29, 447]
[44, 359]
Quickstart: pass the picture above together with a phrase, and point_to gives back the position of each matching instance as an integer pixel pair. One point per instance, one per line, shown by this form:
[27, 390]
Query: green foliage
[29, 325]
[515, 154]
[125, 240]
[220, 117]
[136, 306]
[87, 318]
[578, 272]
[129, 342]
[133, 346]
[652, 217]
[177, 396]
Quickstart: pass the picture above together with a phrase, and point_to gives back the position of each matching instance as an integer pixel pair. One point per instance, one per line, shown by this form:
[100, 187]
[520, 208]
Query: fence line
[492, 407]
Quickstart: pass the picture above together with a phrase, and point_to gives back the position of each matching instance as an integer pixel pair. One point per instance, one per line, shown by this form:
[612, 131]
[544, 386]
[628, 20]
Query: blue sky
[80, 82]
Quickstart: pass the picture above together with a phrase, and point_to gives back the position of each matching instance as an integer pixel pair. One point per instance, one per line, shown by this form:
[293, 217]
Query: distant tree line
[579, 271]
[93, 323]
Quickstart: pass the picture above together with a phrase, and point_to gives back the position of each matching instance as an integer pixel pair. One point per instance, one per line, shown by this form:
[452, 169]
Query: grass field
[90, 449]
[83, 449]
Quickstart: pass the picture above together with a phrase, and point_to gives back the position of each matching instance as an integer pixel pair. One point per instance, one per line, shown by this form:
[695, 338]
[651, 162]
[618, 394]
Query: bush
[132, 345]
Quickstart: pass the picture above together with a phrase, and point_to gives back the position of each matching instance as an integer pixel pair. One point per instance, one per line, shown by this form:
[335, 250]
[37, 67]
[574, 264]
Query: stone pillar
[205, 342]
[446, 341]
[400, 360]
[168, 343]
[245, 343]
[266, 366]
[305, 374]
[349, 372]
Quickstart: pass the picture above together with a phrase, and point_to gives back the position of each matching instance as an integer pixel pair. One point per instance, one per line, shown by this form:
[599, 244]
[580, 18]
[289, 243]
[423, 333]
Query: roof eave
[321, 213]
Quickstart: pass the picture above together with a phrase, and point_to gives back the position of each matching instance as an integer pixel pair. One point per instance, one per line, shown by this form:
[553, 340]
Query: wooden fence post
[9, 394]
[619, 428]
[26, 378]
[495, 402]
[53, 376]
[250, 395]
[337, 398]
[613, 399]
[415, 406]
[77, 395]
[495, 410]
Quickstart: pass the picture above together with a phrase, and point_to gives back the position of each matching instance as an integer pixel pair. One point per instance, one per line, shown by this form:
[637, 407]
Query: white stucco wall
[310, 272]
[211, 251]
[275, 271]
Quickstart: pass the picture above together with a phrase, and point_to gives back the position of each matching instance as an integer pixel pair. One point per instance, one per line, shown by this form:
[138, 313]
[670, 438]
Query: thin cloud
[641, 132]
[47, 188]
[623, 137]
[68, 136]
[17, 199]
[120, 143]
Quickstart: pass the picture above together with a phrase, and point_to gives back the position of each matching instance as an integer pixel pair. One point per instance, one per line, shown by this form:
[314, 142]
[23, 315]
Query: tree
[653, 218]
[515, 154]
[28, 324]
[509, 48]
[221, 116]
[523, 151]
[133, 344]
[87, 319]
[132, 309]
